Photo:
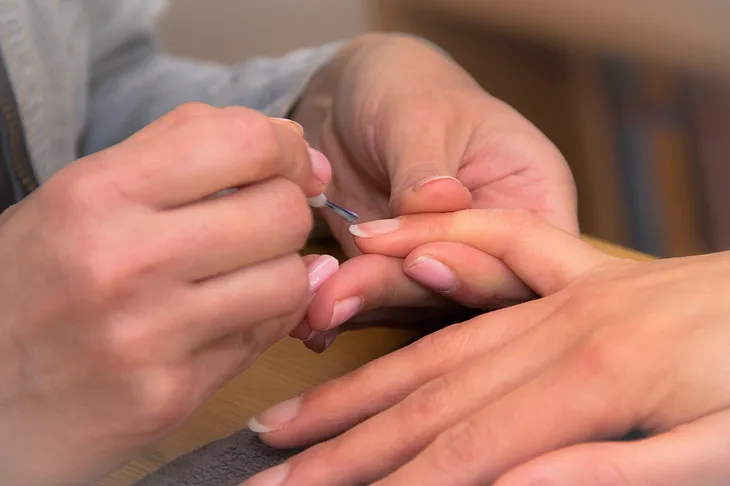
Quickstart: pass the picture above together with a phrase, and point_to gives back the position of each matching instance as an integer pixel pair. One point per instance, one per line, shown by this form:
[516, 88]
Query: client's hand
[408, 131]
[539, 393]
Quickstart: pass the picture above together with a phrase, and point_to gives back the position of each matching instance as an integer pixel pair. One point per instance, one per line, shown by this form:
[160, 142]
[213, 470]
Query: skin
[540, 393]
[130, 295]
[408, 131]
[141, 294]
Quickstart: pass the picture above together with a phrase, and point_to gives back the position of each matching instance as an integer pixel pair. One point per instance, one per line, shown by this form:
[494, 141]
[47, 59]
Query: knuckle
[520, 219]
[443, 347]
[250, 131]
[605, 358]
[189, 112]
[431, 400]
[76, 190]
[163, 399]
[97, 272]
[458, 449]
[438, 226]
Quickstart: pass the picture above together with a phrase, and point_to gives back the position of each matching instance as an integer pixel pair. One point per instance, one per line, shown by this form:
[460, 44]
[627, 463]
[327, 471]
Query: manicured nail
[433, 274]
[302, 332]
[375, 228]
[330, 340]
[320, 271]
[271, 477]
[429, 180]
[288, 123]
[345, 310]
[321, 167]
[275, 417]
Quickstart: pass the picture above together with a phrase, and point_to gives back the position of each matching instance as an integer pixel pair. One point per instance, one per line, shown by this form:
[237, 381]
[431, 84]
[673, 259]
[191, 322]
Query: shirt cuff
[274, 86]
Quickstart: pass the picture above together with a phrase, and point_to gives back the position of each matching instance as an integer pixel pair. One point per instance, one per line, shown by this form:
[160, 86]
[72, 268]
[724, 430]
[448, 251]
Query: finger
[466, 275]
[320, 268]
[336, 406]
[365, 283]
[547, 259]
[217, 236]
[565, 405]
[274, 292]
[692, 454]
[423, 163]
[362, 456]
[202, 155]
[320, 342]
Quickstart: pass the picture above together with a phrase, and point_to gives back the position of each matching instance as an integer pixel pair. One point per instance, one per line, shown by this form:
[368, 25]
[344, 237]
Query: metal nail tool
[321, 201]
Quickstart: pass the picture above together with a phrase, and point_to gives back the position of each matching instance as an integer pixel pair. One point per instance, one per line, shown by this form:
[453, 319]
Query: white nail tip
[318, 201]
[356, 231]
[257, 427]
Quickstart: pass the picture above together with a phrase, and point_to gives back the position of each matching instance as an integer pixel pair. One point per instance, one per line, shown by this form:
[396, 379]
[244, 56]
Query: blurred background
[636, 93]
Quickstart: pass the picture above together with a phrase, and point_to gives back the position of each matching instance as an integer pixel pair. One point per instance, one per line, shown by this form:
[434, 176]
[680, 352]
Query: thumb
[424, 180]
[693, 454]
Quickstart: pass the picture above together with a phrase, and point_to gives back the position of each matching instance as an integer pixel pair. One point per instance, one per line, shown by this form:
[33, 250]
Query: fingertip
[286, 122]
[440, 194]
[321, 167]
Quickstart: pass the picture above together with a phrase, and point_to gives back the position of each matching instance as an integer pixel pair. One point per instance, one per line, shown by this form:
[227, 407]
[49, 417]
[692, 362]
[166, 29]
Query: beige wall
[231, 30]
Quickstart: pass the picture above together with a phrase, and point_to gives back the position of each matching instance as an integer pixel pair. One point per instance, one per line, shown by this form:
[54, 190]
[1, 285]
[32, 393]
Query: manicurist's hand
[540, 393]
[129, 293]
[409, 131]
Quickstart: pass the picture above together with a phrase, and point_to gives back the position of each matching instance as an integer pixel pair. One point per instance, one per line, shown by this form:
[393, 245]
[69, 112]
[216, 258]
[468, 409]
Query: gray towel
[227, 462]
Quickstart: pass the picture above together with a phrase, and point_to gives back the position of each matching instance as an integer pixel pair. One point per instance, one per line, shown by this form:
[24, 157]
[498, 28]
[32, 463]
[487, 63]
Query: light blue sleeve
[133, 83]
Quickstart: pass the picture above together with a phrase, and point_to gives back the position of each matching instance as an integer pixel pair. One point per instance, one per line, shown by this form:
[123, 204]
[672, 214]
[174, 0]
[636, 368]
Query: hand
[129, 294]
[408, 131]
[540, 393]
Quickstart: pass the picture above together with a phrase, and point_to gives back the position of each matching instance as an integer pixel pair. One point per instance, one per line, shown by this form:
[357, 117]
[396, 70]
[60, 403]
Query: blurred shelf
[691, 34]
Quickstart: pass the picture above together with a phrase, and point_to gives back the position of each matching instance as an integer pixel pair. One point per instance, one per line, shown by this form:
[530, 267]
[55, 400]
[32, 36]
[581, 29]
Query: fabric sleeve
[133, 82]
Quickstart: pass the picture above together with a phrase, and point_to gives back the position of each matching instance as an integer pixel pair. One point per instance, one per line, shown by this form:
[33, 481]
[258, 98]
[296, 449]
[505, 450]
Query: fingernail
[329, 341]
[275, 417]
[345, 310]
[321, 167]
[433, 274]
[321, 270]
[310, 336]
[271, 477]
[288, 123]
[302, 332]
[429, 180]
[375, 228]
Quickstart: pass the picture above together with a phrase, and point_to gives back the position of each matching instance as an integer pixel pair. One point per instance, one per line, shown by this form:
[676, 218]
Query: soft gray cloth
[227, 462]
[89, 73]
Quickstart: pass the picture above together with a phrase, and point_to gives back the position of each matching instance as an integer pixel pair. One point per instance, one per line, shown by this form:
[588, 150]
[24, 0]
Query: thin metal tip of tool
[349, 216]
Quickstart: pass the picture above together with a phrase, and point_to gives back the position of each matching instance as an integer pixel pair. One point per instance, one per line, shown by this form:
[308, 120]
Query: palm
[516, 169]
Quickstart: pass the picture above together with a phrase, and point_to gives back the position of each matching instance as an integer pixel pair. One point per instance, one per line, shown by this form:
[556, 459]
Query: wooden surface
[689, 33]
[285, 371]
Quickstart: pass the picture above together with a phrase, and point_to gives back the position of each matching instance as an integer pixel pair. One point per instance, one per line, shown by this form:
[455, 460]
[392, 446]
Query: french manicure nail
[429, 180]
[275, 417]
[344, 310]
[433, 274]
[271, 477]
[288, 123]
[321, 167]
[375, 228]
[320, 271]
